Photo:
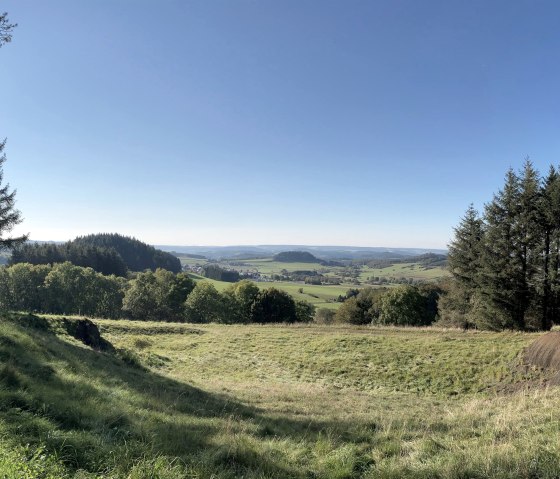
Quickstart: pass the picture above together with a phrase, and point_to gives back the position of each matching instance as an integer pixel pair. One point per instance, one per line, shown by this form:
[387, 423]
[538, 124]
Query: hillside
[107, 253]
[295, 257]
[183, 401]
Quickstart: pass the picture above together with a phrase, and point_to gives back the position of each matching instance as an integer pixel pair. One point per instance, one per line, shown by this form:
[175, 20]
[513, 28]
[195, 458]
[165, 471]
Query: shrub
[273, 306]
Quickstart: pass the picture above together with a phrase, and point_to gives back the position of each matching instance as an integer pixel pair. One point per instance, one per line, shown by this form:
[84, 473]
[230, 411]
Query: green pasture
[192, 261]
[321, 296]
[404, 270]
[268, 266]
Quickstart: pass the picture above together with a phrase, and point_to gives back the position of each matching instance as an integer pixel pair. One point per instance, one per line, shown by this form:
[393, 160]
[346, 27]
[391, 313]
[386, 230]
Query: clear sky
[370, 123]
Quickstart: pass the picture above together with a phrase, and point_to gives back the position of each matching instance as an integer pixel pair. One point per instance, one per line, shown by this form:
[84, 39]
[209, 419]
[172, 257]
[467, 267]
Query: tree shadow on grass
[91, 407]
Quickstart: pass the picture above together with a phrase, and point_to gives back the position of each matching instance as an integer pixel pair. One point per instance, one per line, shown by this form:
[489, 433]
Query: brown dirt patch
[545, 353]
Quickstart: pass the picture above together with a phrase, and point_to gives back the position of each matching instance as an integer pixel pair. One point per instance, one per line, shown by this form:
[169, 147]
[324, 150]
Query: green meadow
[168, 400]
[405, 270]
[269, 266]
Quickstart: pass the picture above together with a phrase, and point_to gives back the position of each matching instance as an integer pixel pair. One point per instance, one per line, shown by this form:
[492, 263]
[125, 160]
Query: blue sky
[370, 123]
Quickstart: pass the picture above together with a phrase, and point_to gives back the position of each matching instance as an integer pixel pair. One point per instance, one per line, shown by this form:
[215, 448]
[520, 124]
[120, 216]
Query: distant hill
[137, 255]
[187, 255]
[428, 260]
[105, 253]
[296, 257]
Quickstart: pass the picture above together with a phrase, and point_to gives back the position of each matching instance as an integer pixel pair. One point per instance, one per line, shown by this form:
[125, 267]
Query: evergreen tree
[9, 215]
[465, 249]
[502, 280]
[6, 29]
[548, 285]
[506, 264]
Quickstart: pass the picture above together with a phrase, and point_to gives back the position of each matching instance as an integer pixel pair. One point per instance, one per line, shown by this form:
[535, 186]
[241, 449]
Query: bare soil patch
[545, 353]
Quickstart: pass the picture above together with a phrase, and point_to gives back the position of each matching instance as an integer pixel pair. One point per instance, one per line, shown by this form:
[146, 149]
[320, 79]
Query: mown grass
[178, 400]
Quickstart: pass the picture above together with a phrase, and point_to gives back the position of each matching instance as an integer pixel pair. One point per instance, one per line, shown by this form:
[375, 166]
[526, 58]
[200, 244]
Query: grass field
[268, 266]
[321, 296]
[404, 270]
[198, 401]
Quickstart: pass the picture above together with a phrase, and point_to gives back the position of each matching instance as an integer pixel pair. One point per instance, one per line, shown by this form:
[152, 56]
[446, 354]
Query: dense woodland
[506, 262]
[296, 257]
[105, 253]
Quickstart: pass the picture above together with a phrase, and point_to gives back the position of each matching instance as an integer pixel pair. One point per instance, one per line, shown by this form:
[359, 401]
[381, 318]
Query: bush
[324, 316]
[305, 312]
[404, 305]
[273, 306]
[360, 308]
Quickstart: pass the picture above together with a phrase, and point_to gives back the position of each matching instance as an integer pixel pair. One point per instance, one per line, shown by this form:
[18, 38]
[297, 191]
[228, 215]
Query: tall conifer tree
[502, 280]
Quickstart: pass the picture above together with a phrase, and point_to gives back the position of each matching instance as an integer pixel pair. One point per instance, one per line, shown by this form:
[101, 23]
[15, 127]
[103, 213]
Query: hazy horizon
[296, 122]
[258, 245]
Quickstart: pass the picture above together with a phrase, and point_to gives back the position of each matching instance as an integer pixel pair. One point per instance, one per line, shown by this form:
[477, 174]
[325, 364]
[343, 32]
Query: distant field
[321, 296]
[268, 266]
[178, 401]
[324, 296]
[192, 261]
[404, 270]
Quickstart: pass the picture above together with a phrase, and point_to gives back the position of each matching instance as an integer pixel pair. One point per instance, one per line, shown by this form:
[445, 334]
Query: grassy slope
[271, 401]
[405, 270]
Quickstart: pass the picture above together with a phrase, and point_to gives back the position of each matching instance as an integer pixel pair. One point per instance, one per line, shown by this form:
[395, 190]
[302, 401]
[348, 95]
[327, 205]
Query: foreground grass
[175, 400]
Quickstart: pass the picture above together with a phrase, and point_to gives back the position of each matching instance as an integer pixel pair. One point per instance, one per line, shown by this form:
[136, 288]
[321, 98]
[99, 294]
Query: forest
[506, 262]
[105, 253]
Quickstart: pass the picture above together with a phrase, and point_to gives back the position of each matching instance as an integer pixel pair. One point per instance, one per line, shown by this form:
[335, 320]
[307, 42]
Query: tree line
[506, 262]
[105, 253]
[159, 295]
[213, 271]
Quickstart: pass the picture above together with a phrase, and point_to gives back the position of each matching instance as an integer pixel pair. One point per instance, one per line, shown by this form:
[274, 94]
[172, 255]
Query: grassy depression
[177, 400]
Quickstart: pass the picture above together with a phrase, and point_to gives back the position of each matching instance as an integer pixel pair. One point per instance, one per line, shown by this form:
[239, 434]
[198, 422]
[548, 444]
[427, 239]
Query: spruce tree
[465, 266]
[502, 281]
[549, 265]
[464, 251]
[9, 215]
[528, 244]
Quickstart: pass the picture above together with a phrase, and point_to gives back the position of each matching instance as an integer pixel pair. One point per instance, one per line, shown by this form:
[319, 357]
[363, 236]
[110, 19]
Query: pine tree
[464, 251]
[502, 280]
[528, 245]
[6, 29]
[465, 265]
[549, 264]
[9, 215]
